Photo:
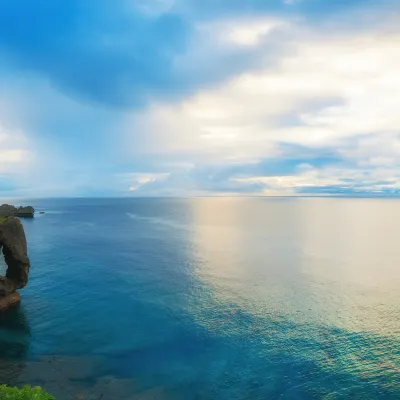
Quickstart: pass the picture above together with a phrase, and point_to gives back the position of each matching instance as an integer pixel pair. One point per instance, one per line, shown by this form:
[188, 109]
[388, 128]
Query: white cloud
[247, 33]
[238, 32]
[335, 92]
[137, 181]
[12, 156]
[341, 178]
[14, 153]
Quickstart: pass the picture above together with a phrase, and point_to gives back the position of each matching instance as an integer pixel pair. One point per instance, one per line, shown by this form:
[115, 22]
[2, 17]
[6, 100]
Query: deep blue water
[209, 299]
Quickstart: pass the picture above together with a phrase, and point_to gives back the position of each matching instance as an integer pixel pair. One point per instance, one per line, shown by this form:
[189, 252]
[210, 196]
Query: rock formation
[14, 247]
[10, 211]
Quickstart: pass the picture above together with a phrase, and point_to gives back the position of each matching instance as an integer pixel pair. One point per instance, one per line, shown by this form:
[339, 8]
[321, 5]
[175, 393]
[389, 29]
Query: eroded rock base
[9, 301]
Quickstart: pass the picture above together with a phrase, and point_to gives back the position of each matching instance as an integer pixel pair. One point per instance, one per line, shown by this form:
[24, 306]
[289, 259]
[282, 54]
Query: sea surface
[209, 298]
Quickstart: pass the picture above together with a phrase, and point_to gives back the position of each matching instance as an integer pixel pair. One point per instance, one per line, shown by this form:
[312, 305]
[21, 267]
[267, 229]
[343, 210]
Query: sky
[199, 98]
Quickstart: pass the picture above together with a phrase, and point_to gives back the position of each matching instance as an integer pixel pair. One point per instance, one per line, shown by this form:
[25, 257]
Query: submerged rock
[14, 247]
[7, 210]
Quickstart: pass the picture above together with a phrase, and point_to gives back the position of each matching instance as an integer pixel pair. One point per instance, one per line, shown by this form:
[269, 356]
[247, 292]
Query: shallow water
[209, 299]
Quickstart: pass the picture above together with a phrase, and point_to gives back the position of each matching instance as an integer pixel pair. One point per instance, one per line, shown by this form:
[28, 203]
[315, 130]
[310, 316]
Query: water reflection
[351, 258]
[250, 255]
[308, 292]
[326, 261]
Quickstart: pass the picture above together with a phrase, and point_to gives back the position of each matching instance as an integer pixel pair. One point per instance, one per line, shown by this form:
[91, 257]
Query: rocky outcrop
[9, 301]
[14, 247]
[7, 210]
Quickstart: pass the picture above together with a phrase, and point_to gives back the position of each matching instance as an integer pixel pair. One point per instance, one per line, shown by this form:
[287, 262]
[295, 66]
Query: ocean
[209, 298]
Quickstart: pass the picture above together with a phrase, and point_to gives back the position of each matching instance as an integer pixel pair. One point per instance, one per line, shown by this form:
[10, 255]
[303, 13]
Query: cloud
[13, 150]
[15, 160]
[330, 180]
[121, 57]
[128, 54]
[96, 51]
[333, 94]
[140, 181]
[168, 97]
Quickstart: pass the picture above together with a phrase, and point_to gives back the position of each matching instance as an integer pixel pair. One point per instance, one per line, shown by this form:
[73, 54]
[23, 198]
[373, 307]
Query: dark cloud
[93, 49]
[112, 53]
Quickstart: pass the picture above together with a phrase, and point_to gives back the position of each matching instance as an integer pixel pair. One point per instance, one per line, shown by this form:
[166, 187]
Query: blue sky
[199, 97]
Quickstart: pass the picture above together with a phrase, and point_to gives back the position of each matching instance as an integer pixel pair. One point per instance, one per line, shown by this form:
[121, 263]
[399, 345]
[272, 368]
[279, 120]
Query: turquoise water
[209, 299]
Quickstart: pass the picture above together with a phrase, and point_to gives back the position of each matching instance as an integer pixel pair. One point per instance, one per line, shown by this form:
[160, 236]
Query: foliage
[3, 219]
[26, 393]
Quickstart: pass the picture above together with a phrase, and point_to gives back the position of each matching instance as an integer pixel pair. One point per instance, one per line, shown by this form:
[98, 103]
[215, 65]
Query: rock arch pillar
[14, 247]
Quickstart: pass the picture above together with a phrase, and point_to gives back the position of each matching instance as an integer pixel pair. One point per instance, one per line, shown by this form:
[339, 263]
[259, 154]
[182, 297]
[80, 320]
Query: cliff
[14, 247]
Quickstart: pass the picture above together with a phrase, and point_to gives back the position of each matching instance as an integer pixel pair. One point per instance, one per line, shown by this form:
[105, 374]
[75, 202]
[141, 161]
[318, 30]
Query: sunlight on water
[320, 279]
[330, 261]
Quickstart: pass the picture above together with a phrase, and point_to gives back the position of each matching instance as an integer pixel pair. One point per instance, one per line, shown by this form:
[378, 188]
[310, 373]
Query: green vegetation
[26, 393]
[3, 219]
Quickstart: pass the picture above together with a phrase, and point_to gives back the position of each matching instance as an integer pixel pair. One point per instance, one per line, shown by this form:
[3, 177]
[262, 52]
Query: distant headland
[7, 210]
